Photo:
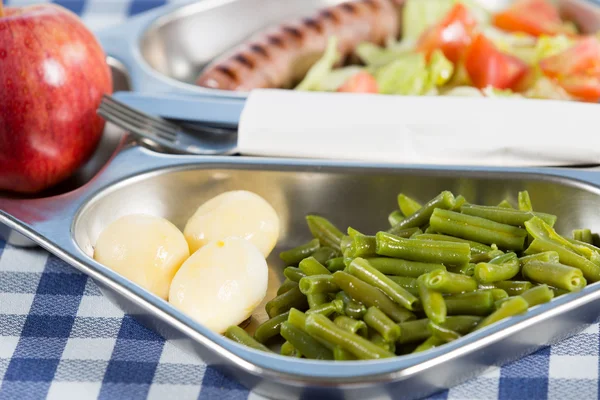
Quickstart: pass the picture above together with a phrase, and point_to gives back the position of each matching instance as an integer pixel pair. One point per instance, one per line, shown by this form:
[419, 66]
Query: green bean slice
[305, 343]
[325, 231]
[240, 336]
[270, 328]
[297, 254]
[433, 303]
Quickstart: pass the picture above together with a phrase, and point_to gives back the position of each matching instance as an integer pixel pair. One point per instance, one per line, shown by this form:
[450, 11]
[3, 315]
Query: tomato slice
[581, 58]
[361, 82]
[488, 66]
[535, 17]
[586, 88]
[453, 34]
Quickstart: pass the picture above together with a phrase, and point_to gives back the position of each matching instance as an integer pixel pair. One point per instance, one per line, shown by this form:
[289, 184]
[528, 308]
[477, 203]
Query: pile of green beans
[443, 269]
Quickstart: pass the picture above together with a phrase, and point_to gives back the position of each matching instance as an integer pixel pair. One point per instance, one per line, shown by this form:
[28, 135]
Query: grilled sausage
[280, 56]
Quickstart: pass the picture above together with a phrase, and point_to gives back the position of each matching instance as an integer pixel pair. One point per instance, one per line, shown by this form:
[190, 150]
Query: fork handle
[197, 108]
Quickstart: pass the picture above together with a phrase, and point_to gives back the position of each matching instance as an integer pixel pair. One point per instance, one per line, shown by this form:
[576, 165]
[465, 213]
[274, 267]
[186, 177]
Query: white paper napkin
[420, 130]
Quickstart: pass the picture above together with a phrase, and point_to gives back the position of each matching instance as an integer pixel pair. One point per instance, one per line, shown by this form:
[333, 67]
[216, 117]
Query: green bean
[352, 308]
[583, 235]
[547, 256]
[364, 271]
[498, 294]
[403, 233]
[505, 215]
[496, 270]
[505, 204]
[310, 266]
[297, 254]
[558, 292]
[340, 354]
[524, 201]
[538, 295]
[478, 229]
[514, 306]
[335, 306]
[428, 251]
[363, 246]
[578, 256]
[407, 205]
[414, 331]
[320, 326]
[514, 288]
[298, 319]
[270, 328]
[476, 248]
[444, 200]
[317, 299]
[325, 231]
[291, 299]
[352, 325]
[417, 233]
[485, 257]
[335, 264]
[306, 344]
[555, 274]
[408, 283]
[318, 284]
[288, 349]
[345, 244]
[433, 303]
[590, 270]
[395, 217]
[239, 335]
[371, 296]
[470, 303]
[430, 343]
[394, 266]
[440, 331]
[381, 323]
[447, 282]
[293, 274]
[286, 285]
[458, 202]
[498, 303]
[324, 254]
[380, 341]
[417, 331]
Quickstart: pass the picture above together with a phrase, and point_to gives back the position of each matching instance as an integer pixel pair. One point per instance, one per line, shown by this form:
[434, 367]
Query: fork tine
[134, 128]
[161, 124]
[167, 130]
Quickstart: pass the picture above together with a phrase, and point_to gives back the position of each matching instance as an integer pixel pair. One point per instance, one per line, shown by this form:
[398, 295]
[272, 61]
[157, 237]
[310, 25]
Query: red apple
[53, 74]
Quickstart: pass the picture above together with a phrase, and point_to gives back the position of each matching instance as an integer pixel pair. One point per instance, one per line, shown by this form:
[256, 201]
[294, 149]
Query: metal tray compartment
[139, 180]
[166, 48]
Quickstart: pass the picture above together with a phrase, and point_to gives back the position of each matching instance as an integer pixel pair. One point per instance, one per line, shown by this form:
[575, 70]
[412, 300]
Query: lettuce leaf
[405, 76]
[319, 71]
[418, 15]
[373, 55]
[336, 78]
[440, 69]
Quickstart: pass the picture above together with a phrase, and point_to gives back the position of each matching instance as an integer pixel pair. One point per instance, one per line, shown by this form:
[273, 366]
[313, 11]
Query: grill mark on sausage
[257, 48]
[227, 71]
[349, 8]
[242, 59]
[327, 14]
[276, 41]
[313, 24]
[295, 32]
[371, 3]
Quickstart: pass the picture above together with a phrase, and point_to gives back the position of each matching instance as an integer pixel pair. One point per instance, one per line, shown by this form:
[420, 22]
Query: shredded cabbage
[319, 71]
[463, 91]
[373, 55]
[336, 78]
[544, 88]
[550, 45]
[440, 68]
[491, 91]
[406, 76]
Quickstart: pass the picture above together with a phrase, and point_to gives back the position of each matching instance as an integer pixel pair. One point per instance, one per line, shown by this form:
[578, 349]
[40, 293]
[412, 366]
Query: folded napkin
[419, 130]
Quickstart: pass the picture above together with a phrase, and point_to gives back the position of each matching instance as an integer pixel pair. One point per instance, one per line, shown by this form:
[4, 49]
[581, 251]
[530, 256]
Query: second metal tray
[139, 180]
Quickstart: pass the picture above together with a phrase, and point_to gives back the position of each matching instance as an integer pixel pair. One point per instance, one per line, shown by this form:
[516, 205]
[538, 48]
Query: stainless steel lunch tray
[164, 49]
[140, 180]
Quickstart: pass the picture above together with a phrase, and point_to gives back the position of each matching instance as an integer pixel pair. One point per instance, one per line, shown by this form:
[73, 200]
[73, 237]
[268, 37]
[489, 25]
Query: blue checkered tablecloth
[61, 339]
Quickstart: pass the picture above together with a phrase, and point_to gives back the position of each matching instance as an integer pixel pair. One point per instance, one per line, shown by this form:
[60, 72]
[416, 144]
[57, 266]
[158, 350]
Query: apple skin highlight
[53, 73]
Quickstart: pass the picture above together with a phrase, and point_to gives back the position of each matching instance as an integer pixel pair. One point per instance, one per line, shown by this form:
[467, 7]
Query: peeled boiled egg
[240, 214]
[145, 249]
[221, 284]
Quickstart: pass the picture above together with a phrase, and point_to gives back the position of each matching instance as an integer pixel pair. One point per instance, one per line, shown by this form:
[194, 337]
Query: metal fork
[179, 138]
